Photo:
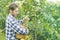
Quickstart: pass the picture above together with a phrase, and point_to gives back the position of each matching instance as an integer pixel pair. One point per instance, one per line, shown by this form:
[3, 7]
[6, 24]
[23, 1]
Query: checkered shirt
[13, 27]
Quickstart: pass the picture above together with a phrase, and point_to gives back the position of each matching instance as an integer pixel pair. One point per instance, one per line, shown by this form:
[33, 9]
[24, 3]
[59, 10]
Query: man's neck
[11, 14]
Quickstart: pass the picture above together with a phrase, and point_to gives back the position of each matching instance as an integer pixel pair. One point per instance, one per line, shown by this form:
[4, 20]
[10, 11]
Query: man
[13, 25]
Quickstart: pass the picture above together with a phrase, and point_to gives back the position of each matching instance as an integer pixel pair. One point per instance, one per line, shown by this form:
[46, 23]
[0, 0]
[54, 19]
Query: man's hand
[21, 36]
[26, 18]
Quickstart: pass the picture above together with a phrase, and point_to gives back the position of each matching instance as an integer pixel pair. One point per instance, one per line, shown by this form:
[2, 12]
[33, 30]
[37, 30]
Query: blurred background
[44, 15]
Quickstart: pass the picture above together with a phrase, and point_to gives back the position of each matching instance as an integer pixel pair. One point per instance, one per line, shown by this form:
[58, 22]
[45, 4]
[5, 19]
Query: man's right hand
[26, 18]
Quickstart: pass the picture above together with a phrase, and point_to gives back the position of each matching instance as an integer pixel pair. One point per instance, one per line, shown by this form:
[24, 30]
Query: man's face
[15, 12]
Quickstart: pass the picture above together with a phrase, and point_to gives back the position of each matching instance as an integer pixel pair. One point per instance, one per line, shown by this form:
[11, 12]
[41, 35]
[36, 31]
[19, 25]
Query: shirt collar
[11, 15]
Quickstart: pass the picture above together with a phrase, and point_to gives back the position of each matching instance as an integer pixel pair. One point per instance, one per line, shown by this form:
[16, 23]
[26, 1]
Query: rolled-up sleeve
[20, 21]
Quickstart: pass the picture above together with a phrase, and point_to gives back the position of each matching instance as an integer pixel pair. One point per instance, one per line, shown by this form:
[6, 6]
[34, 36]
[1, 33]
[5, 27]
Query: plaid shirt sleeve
[17, 28]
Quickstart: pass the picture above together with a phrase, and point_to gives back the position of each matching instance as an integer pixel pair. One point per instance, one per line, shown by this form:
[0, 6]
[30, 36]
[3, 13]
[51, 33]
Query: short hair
[12, 6]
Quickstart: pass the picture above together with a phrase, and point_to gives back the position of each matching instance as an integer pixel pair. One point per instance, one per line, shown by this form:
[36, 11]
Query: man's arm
[18, 29]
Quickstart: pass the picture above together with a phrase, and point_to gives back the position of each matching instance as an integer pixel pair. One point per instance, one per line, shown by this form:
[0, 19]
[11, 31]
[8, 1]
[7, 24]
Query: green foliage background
[45, 18]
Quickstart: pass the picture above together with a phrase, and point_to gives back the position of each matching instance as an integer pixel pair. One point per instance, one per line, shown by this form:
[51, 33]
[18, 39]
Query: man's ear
[10, 11]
